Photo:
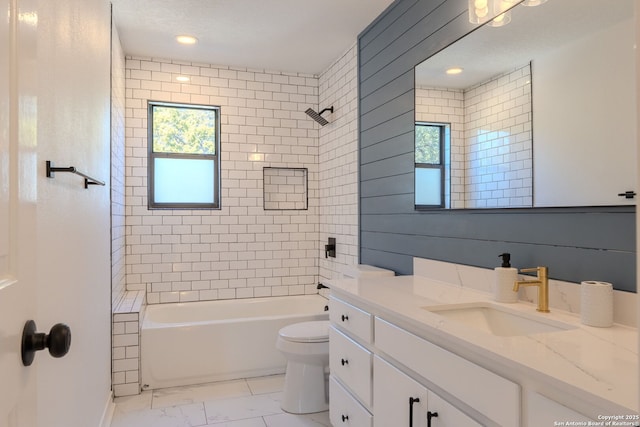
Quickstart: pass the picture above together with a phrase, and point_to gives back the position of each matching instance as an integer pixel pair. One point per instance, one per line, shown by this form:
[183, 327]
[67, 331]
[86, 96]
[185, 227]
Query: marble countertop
[593, 364]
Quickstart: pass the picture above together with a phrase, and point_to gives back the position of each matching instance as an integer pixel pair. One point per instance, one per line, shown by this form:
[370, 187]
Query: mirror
[542, 114]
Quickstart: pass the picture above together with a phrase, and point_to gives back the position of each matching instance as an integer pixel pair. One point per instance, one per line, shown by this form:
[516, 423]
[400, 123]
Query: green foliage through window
[184, 130]
[428, 144]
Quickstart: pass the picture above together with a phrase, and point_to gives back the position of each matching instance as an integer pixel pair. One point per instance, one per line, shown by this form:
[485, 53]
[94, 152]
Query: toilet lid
[317, 331]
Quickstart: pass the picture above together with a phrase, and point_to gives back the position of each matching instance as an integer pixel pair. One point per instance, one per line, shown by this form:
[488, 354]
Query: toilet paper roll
[596, 303]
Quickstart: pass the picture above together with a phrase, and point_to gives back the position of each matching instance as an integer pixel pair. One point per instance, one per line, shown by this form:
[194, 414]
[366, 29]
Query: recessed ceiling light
[183, 79]
[186, 39]
[454, 70]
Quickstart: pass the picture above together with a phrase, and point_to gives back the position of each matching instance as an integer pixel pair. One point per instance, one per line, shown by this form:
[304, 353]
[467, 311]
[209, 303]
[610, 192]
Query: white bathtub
[197, 342]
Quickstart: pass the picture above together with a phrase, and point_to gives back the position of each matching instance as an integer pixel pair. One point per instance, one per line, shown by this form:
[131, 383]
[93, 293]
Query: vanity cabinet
[350, 365]
[401, 401]
[451, 373]
[370, 360]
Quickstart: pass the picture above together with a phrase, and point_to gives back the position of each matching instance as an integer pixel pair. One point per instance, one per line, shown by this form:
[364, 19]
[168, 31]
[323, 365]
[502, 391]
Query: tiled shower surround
[240, 250]
[243, 250]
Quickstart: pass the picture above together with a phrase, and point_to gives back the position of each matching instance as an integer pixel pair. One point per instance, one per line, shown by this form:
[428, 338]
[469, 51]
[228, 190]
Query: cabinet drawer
[351, 319]
[351, 363]
[486, 392]
[344, 410]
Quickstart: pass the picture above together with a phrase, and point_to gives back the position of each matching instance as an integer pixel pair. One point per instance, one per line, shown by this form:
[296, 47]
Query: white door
[54, 233]
[17, 218]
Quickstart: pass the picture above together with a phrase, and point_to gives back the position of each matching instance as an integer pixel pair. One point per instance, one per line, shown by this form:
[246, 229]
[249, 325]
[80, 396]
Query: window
[184, 161]
[430, 164]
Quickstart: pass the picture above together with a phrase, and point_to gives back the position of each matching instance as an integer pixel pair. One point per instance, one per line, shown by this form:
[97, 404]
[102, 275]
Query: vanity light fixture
[184, 39]
[480, 11]
[500, 20]
[183, 79]
[453, 71]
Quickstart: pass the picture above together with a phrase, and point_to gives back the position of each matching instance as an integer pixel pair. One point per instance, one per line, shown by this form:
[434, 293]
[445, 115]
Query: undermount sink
[498, 320]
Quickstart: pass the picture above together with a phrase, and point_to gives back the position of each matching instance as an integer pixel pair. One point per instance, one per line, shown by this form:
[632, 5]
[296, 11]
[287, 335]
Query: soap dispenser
[505, 277]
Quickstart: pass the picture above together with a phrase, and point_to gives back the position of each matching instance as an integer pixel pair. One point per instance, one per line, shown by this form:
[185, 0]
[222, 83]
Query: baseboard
[107, 414]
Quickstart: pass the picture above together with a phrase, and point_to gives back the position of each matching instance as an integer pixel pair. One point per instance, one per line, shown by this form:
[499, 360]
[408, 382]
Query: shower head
[318, 116]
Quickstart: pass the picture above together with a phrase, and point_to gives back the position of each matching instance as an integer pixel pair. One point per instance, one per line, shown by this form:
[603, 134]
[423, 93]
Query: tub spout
[321, 286]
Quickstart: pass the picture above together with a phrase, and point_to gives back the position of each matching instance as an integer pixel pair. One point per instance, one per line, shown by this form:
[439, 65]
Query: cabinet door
[392, 390]
[444, 414]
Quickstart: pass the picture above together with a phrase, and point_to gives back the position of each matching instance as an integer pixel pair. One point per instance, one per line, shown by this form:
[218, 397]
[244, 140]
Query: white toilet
[305, 345]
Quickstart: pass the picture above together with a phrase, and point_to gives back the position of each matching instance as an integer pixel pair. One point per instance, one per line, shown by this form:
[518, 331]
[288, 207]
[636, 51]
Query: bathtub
[198, 342]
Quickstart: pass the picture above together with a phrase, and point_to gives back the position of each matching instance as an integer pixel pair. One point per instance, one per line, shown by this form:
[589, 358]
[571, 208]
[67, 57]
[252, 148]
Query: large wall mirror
[538, 112]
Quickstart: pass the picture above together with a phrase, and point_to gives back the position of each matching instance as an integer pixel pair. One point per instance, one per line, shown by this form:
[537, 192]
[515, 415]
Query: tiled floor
[254, 402]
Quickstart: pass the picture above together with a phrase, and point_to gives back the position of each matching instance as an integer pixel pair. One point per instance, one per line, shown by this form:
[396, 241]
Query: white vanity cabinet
[459, 377]
[350, 365]
[369, 362]
[401, 401]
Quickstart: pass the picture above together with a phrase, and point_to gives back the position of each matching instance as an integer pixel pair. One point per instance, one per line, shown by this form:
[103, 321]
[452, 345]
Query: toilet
[305, 345]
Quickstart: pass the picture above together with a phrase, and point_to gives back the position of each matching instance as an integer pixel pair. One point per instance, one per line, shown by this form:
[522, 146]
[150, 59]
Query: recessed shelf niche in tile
[285, 188]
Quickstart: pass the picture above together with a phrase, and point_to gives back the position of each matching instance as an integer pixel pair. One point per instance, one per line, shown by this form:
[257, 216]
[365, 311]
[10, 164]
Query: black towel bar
[87, 179]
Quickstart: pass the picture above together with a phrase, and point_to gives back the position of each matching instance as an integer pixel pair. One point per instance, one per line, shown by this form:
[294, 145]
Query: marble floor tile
[141, 402]
[251, 422]
[222, 410]
[320, 419]
[199, 393]
[263, 385]
[176, 416]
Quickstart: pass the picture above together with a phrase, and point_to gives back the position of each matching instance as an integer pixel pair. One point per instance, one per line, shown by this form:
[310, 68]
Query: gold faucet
[542, 283]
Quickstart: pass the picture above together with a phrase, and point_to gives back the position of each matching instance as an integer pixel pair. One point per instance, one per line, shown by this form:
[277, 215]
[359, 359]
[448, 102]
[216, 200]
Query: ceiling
[276, 35]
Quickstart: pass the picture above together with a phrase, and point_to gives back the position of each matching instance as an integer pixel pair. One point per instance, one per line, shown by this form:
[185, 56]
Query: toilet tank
[363, 271]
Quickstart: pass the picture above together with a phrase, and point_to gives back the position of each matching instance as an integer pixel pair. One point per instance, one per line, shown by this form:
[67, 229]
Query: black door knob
[57, 341]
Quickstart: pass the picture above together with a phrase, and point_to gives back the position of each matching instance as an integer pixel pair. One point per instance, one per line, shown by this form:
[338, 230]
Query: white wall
[584, 132]
[241, 250]
[72, 99]
[338, 164]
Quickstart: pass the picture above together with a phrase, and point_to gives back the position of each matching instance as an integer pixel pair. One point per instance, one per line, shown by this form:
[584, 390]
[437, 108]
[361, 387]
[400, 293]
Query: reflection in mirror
[539, 112]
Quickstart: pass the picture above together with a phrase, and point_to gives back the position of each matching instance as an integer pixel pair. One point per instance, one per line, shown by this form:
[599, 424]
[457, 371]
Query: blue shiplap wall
[590, 243]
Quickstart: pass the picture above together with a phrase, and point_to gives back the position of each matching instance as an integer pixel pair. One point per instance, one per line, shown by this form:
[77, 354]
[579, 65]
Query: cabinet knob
[345, 317]
[57, 341]
[429, 416]
[345, 418]
[344, 361]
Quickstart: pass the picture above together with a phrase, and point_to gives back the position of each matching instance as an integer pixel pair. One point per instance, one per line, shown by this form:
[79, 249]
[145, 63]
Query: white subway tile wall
[499, 158]
[285, 188]
[338, 164]
[447, 106]
[241, 250]
[491, 157]
[127, 316]
[118, 268]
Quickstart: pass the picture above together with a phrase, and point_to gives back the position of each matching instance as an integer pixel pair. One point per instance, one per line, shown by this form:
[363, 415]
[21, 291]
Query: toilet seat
[306, 332]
